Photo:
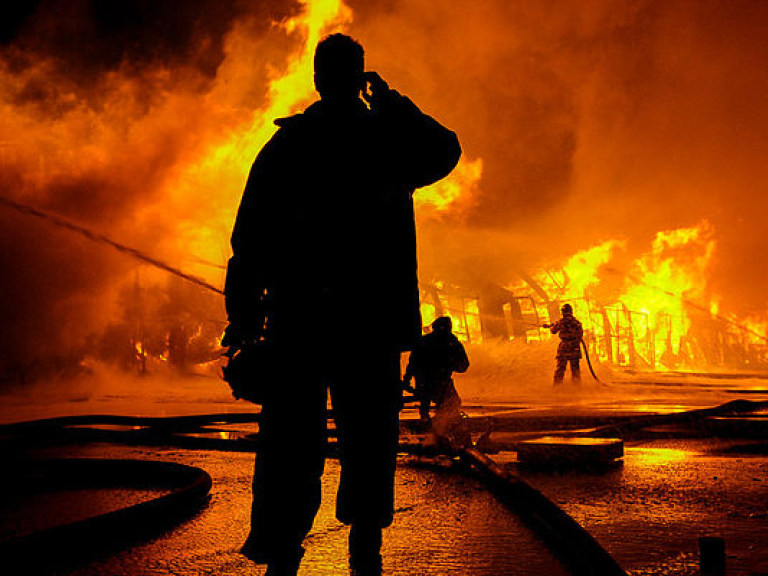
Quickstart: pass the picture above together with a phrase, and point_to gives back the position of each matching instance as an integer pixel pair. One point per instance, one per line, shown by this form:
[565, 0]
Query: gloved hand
[376, 90]
[233, 337]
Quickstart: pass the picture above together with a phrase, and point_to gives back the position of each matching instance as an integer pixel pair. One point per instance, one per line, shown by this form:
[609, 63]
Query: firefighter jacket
[433, 360]
[325, 235]
[570, 331]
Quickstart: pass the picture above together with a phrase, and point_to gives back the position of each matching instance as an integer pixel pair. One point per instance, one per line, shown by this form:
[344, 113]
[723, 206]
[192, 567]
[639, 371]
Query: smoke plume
[580, 122]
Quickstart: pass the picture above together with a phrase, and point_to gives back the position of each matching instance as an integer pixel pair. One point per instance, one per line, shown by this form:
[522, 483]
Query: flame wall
[580, 122]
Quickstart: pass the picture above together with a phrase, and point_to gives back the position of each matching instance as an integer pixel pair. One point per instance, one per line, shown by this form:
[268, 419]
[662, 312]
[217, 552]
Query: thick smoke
[104, 105]
[593, 120]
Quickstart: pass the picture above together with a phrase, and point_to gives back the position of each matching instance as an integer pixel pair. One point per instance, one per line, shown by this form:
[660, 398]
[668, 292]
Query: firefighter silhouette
[569, 350]
[434, 359]
[324, 230]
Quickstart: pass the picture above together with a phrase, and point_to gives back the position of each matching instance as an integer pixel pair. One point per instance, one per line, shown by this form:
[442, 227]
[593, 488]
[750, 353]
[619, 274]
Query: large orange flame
[223, 167]
[647, 322]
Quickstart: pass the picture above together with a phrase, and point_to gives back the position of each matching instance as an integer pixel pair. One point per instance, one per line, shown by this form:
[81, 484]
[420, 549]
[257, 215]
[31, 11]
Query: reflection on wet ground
[445, 524]
[650, 512]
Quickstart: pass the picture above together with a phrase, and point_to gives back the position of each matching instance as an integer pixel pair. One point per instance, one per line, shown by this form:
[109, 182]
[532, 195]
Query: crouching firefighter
[569, 350]
[433, 361]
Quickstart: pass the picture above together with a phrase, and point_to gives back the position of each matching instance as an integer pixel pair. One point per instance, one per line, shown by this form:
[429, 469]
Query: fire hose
[589, 362]
[568, 540]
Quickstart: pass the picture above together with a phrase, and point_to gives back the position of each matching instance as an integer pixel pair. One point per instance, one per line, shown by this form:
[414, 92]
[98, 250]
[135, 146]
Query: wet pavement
[673, 486]
[445, 523]
[649, 512]
[41, 510]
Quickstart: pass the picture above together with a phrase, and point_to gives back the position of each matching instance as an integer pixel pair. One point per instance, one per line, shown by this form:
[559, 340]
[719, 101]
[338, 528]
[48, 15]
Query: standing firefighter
[569, 350]
[325, 230]
[433, 360]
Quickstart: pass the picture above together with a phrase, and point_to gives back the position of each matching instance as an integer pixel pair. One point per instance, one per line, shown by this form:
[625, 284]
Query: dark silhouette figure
[433, 361]
[324, 235]
[569, 350]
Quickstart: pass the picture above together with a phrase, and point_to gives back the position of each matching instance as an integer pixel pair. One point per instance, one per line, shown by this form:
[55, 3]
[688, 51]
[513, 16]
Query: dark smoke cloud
[594, 120]
[102, 101]
[95, 36]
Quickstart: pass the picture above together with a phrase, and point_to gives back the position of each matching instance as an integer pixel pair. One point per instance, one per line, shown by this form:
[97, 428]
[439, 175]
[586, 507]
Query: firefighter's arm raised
[424, 150]
[554, 328]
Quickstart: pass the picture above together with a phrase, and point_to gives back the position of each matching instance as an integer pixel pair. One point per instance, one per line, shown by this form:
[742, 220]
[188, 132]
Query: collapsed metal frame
[616, 335]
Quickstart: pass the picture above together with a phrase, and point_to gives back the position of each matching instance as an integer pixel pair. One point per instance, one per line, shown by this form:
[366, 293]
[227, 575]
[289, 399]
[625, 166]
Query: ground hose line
[47, 550]
[621, 429]
[576, 547]
[565, 537]
[177, 423]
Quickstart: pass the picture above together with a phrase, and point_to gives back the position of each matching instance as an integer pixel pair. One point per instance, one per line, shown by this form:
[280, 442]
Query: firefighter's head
[567, 310]
[339, 66]
[442, 325]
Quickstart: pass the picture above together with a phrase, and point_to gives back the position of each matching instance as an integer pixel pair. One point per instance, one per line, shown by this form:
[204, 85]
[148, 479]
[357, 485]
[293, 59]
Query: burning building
[655, 317]
[613, 159]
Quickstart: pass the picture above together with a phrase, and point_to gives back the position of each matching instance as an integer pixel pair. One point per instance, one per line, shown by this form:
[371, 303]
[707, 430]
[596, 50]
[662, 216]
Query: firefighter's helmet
[567, 310]
[442, 324]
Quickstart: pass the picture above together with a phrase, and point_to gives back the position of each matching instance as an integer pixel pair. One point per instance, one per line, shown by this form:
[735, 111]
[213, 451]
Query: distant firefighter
[434, 359]
[571, 333]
